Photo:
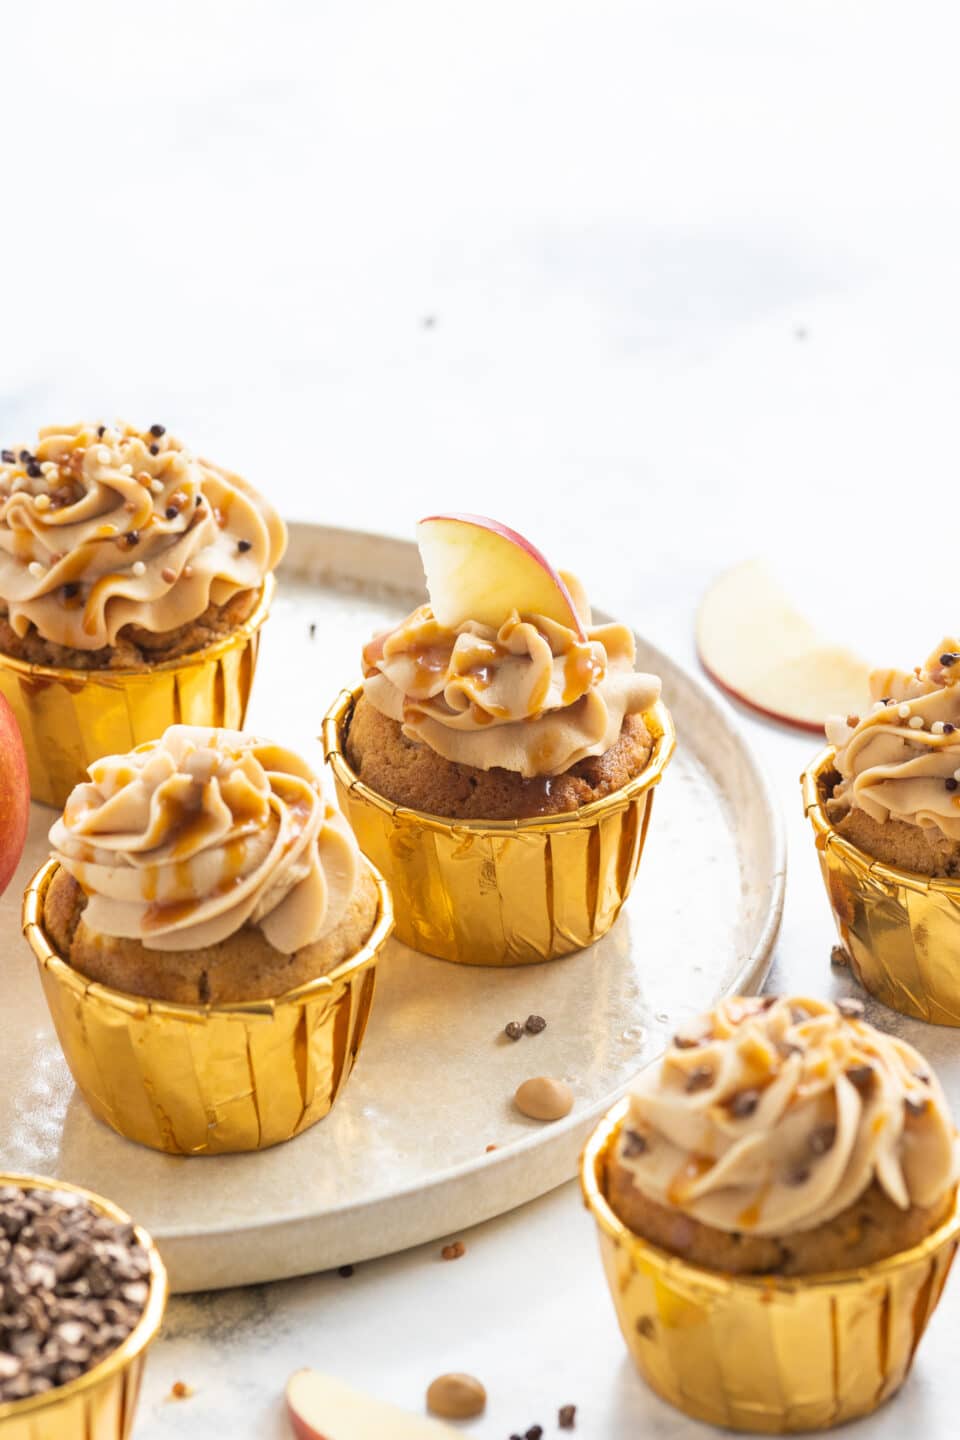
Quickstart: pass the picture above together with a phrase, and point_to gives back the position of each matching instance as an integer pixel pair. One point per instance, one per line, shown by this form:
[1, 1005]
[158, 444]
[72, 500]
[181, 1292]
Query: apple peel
[14, 795]
[323, 1408]
[757, 647]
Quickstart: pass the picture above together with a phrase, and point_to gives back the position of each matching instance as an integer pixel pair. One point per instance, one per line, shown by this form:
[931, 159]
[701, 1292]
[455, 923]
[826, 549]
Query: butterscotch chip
[544, 1098]
[453, 1251]
[456, 1397]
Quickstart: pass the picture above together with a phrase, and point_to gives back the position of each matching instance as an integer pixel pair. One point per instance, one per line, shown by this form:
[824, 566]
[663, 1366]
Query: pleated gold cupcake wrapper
[507, 892]
[764, 1353]
[901, 930]
[69, 718]
[101, 1404]
[214, 1079]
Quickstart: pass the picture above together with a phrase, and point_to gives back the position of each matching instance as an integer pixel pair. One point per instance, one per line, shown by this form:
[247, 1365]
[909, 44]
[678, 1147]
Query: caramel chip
[456, 1397]
[544, 1098]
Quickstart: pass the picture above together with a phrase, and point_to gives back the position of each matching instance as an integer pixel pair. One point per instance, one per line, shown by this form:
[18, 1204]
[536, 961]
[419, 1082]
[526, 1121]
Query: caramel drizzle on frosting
[772, 1116]
[189, 838]
[901, 761]
[531, 697]
[106, 526]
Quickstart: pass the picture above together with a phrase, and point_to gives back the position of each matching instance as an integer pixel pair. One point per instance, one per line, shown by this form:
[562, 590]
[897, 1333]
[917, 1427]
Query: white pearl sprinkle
[36, 569]
[936, 728]
[878, 705]
[916, 722]
[156, 486]
[139, 568]
[103, 455]
[49, 469]
[126, 469]
[42, 502]
[903, 710]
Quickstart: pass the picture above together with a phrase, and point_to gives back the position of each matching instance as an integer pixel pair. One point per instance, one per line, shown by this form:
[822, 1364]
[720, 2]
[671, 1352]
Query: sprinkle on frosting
[899, 760]
[531, 697]
[774, 1115]
[188, 838]
[105, 526]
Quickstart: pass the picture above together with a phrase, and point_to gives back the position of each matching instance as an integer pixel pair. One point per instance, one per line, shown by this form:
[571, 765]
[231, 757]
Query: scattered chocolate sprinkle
[154, 449]
[699, 1078]
[101, 431]
[948, 729]
[345, 1270]
[566, 1416]
[839, 957]
[244, 545]
[199, 501]
[158, 430]
[73, 1285]
[453, 1251]
[132, 538]
[822, 1139]
[8, 457]
[313, 630]
[534, 1433]
[71, 590]
[950, 784]
[534, 1024]
[916, 1105]
[25, 457]
[743, 1104]
[646, 1327]
[798, 1176]
[861, 1077]
[634, 1144]
[685, 1042]
[949, 657]
[850, 1008]
[34, 471]
[513, 1030]
[171, 512]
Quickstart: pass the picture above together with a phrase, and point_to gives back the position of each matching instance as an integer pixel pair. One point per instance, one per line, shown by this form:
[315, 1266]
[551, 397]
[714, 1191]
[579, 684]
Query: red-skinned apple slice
[321, 1408]
[14, 795]
[478, 569]
[755, 645]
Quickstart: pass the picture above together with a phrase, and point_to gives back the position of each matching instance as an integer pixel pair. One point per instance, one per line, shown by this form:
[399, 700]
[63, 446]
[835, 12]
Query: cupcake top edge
[769, 1116]
[504, 666]
[104, 526]
[188, 838]
[901, 760]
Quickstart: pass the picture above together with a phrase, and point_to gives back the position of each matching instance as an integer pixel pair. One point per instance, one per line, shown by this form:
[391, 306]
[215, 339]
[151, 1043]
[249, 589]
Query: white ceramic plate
[403, 1157]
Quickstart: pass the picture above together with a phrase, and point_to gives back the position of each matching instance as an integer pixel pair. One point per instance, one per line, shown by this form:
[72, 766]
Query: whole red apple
[14, 795]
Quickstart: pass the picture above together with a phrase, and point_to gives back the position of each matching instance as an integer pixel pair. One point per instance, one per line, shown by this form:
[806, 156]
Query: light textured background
[661, 284]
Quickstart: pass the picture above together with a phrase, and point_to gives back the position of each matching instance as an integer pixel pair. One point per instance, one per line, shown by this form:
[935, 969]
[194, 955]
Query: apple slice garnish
[14, 795]
[478, 569]
[756, 646]
[321, 1408]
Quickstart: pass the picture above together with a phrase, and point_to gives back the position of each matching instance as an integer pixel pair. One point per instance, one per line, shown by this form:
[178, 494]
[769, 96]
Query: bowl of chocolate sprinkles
[82, 1295]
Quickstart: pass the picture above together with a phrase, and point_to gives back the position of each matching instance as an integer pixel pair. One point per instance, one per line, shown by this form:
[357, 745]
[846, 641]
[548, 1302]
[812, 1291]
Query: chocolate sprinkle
[634, 1144]
[345, 1271]
[101, 431]
[699, 1078]
[34, 471]
[566, 1416]
[949, 657]
[534, 1433]
[71, 590]
[154, 449]
[514, 1030]
[171, 512]
[743, 1104]
[244, 545]
[158, 430]
[685, 1042]
[948, 729]
[950, 784]
[8, 457]
[535, 1024]
[839, 957]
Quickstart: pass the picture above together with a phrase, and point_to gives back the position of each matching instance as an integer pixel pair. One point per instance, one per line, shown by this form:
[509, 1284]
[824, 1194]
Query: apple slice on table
[478, 569]
[322, 1408]
[756, 646]
[14, 795]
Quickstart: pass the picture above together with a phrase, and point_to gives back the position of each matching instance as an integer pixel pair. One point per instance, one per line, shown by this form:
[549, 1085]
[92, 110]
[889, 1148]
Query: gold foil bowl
[764, 1353]
[901, 930]
[69, 718]
[101, 1404]
[208, 1079]
[502, 892]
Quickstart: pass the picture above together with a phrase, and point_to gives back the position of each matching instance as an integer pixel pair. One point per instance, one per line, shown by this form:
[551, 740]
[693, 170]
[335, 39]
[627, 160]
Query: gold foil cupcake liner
[503, 892]
[901, 930]
[764, 1353]
[208, 1079]
[69, 718]
[101, 1404]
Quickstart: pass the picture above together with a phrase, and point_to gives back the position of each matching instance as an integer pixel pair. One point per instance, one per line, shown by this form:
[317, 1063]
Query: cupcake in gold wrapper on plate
[207, 934]
[499, 761]
[884, 802]
[71, 1353]
[777, 1211]
[134, 579]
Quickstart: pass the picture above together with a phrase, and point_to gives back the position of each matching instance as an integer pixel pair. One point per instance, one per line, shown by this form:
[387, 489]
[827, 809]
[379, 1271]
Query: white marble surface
[663, 284]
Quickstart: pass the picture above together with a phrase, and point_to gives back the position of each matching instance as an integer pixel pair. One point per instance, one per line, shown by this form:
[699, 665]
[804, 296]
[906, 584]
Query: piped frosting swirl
[901, 761]
[107, 526]
[188, 838]
[532, 696]
[771, 1116]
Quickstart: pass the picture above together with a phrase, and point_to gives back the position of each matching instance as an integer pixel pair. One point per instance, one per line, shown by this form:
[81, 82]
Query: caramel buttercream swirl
[901, 760]
[188, 838]
[532, 697]
[107, 526]
[770, 1116]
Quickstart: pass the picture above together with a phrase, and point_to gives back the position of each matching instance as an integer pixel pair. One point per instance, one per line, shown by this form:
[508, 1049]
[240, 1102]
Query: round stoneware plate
[403, 1157]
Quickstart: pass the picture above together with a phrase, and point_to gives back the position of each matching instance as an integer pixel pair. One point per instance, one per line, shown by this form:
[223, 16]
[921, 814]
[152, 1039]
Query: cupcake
[498, 761]
[205, 873]
[82, 1294]
[777, 1210]
[884, 801]
[133, 581]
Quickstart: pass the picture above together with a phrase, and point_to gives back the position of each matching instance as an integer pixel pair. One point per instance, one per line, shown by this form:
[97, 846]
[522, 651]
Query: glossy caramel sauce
[581, 670]
[678, 1191]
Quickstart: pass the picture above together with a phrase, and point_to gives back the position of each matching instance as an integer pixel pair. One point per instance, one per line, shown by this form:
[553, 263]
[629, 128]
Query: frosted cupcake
[784, 1167]
[207, 872]
[884, 801]
[498, 725]
[124, 557]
